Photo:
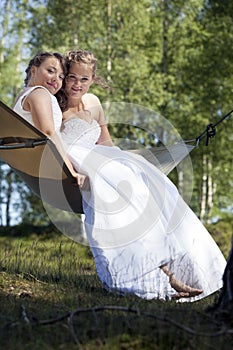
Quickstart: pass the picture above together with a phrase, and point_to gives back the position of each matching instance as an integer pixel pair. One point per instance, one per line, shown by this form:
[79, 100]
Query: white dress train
[136, 221]
[135, 218]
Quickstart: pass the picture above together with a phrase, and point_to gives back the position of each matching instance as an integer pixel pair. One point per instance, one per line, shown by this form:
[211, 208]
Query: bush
[222, 234]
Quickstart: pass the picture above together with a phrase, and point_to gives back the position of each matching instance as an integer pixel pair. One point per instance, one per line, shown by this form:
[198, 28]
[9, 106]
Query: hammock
[35, 158]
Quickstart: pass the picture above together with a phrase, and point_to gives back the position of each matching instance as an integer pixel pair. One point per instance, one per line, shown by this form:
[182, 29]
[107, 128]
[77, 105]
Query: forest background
[171, 57]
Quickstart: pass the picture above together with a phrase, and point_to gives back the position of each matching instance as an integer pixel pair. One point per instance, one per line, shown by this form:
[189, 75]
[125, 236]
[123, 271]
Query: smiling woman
[37, 103]
[82, 66]
[144, 238]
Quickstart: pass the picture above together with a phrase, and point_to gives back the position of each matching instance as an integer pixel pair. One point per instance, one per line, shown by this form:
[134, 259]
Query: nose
[77, 82]
[56, 77]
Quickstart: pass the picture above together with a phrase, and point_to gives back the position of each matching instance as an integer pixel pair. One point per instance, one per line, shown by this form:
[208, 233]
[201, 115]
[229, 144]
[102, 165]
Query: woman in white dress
[37, 102]
[144, 238]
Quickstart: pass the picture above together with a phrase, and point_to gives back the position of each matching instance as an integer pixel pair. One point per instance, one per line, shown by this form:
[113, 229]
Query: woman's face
[78, 80]
[49, 74]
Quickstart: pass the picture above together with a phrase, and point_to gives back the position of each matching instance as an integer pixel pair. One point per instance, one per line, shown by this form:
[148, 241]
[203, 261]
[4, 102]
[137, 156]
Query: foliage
[222, 232]
[170, 57]
[13, 47]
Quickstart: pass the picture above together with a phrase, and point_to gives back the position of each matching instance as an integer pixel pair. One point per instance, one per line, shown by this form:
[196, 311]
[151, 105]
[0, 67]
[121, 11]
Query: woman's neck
[75, 105]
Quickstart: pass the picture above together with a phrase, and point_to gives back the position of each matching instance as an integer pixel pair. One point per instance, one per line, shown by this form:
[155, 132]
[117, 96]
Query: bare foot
[184, 291]
[180, 295]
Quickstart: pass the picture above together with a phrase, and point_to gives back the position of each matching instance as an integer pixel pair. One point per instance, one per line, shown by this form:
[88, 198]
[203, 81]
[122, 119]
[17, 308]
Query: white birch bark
[204, 190]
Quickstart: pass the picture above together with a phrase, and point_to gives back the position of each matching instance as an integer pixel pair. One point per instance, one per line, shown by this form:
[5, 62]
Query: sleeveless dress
[136, 221]
[57, 114]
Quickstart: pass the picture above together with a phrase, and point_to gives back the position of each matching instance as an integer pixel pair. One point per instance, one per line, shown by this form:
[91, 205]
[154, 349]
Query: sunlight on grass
[43, 277]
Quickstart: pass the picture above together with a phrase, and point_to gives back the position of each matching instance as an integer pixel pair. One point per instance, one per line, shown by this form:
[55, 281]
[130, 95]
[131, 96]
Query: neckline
[83, 114]
[80, 119]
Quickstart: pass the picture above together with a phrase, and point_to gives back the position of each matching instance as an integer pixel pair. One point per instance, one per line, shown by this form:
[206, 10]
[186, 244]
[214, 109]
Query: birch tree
[171, 57]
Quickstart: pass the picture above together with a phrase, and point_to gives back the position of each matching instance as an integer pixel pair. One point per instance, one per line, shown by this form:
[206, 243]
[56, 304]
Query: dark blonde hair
[79, 56]
[87, 57]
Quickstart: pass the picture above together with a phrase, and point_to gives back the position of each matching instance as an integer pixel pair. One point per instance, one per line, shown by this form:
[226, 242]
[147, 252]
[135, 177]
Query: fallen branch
[24, 315]
[72, 331]
[70, 315]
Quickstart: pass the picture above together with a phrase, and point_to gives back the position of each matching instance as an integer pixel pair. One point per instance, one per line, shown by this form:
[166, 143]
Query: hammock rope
[20, 142]
[35, 158]
[210, 130]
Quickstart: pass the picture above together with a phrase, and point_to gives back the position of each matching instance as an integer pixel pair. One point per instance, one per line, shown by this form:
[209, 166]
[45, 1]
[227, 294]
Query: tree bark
[8, 196]
[223, 308]
[204, 190]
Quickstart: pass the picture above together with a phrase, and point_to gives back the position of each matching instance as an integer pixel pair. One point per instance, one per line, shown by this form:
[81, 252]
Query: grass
[51, 298]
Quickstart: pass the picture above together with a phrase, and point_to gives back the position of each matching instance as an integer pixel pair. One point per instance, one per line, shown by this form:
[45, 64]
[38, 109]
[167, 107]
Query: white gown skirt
[136, 221]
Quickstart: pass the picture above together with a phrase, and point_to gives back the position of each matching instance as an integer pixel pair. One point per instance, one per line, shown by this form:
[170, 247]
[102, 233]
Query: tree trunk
[181, 182]
[204, 190]
[223, 308]
[8, 196]
[5, 21]
[165, 53]
[109, 46]
[208, 189]
[210, 185]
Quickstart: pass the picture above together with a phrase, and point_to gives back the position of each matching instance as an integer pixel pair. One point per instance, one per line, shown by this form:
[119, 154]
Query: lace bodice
[57, 114]
[76, 130]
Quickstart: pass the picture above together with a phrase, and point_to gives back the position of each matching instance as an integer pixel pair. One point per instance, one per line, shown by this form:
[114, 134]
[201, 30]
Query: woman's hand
[81, 180]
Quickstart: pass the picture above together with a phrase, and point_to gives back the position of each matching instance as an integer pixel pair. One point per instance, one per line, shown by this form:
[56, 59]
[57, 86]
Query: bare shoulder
[35, 97]
[40, 92]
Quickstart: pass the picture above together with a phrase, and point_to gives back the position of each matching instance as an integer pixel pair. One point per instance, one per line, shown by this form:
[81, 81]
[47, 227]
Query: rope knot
[210, 132]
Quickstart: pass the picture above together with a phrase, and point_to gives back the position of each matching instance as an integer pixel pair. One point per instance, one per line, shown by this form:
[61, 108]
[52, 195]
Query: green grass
[46, 277]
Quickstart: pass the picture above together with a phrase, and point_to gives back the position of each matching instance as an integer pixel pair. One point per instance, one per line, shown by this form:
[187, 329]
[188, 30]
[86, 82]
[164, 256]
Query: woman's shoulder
[39, 90]
[90, 99]
[32, 91]
[33, 96]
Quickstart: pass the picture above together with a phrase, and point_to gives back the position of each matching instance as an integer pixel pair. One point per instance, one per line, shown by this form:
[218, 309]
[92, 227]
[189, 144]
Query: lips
[77, 89]
[52, 86]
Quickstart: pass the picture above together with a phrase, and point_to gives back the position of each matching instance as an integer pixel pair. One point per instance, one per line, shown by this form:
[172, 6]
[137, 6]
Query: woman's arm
[105, 138]
[42, 116]
[81, 179]
[93, 103]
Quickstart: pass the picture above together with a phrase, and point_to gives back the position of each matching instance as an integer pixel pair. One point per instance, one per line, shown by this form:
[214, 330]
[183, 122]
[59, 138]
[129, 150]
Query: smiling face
[49, 74]
[78, 80]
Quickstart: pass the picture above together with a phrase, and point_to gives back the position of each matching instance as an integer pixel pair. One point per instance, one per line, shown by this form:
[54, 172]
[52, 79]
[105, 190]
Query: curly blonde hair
[87, 57]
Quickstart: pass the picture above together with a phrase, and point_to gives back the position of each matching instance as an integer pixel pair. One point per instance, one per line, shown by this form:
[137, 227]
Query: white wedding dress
[135, 218]
[136, 221]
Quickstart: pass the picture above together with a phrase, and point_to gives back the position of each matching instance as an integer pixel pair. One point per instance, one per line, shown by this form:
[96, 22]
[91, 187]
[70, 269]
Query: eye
[84, 80]
[62, 77]
[71, 77]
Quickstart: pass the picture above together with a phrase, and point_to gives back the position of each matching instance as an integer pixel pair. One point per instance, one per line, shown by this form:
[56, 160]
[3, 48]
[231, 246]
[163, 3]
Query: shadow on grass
[46, 277]
[154, 325]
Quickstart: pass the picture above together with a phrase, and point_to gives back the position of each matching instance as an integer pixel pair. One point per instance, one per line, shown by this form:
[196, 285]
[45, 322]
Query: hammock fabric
[35, 158]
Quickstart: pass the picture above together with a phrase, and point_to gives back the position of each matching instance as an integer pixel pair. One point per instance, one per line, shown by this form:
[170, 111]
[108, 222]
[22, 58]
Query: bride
[144, 238]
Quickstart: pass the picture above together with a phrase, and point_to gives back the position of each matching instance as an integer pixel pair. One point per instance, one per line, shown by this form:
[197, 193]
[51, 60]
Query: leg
[184, 291]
